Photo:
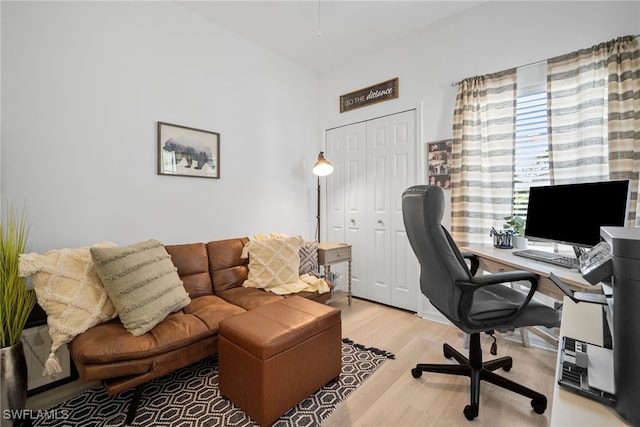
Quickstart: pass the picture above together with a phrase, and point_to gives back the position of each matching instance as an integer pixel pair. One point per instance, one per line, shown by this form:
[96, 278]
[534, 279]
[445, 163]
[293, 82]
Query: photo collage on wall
[439, 163]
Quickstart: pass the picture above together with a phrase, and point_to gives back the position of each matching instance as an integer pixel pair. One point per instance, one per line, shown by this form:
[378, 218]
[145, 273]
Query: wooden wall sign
[369, 95]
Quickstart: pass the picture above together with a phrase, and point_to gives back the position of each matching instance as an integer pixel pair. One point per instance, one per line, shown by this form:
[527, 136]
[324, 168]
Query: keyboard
[549, 257]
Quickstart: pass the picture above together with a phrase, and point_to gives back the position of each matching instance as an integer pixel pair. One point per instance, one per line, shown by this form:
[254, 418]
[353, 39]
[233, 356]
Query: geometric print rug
[190, 397]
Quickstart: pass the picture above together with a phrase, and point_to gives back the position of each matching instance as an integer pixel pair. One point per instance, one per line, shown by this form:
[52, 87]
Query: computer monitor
[572, 214]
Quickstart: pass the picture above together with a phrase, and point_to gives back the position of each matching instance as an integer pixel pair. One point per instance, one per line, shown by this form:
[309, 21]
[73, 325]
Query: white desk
[496, 260]
[582, 321]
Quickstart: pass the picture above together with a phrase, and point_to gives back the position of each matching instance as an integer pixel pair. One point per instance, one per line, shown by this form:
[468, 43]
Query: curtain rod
[454, 84]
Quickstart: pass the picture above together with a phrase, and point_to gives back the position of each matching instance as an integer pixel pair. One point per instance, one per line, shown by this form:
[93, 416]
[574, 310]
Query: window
[531, 149]
[531, 163]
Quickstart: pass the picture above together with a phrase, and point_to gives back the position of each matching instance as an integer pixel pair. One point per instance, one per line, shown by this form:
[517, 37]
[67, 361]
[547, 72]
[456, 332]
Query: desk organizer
[502, 239]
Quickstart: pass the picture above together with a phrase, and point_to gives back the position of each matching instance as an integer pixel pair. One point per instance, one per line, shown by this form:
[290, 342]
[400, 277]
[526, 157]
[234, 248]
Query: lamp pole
[322, 167]
[318, 214]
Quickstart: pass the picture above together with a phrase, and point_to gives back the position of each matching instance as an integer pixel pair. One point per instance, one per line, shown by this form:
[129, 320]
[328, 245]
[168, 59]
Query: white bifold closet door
[374, 162]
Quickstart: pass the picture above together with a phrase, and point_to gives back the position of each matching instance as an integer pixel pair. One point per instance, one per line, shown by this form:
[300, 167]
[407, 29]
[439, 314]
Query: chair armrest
[475, 262]
[479, 282]
[504, 277]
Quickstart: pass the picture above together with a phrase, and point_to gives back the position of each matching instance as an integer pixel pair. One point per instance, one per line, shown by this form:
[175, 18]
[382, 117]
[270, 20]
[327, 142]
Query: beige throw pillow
[142, 282]
[70, 292]
[273, 262]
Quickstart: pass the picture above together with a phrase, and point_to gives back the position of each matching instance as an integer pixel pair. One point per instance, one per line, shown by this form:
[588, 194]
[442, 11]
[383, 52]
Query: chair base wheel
[479, 371]
[539, 406]
[470, 412]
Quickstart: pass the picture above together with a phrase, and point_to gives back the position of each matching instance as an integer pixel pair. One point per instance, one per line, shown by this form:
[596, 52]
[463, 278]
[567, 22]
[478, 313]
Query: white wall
[84, 84]
[488, 38]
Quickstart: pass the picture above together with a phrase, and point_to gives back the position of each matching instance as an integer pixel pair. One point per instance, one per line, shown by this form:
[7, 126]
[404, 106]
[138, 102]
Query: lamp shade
[322, 167]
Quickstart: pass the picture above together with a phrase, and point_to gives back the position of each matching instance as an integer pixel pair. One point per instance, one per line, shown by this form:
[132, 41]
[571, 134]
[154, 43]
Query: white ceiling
[320, 34]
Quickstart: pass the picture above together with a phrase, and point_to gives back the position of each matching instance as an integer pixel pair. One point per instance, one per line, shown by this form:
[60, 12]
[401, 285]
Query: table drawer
[494, 266]
[335, 255]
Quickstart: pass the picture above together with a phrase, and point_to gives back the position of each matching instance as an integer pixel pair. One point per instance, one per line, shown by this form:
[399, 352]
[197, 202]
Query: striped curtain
[594, 115]
[577, 124]
[482, 156]
[623, 65]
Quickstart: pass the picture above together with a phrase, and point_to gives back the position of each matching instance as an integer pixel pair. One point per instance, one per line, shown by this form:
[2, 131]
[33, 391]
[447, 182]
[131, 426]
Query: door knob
[380, 222]
[353, 221]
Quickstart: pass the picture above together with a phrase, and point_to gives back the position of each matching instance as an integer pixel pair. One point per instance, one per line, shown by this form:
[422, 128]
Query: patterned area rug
[190, 397]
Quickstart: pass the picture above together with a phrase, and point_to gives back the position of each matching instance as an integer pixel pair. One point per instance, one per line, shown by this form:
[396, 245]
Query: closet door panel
[355, 205]
[404, 265]
[378, 186]
[377, 162]
[334, 194]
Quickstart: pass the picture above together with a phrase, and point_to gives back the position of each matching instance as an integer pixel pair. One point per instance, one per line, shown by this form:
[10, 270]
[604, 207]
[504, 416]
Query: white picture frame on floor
[37, 345]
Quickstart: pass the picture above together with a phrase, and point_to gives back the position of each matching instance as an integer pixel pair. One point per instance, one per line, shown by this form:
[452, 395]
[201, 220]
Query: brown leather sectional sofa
[213, 274]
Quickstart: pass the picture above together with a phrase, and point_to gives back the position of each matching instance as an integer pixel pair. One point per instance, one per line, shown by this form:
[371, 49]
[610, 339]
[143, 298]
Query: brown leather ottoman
[276, 355]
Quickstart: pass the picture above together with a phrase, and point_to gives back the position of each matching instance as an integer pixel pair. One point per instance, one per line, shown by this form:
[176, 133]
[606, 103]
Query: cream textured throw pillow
[273, 262]
[245, 249]
[70, 292]
[142, 282]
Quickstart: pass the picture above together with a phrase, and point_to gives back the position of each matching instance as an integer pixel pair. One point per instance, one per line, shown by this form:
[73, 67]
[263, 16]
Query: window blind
[531, 163]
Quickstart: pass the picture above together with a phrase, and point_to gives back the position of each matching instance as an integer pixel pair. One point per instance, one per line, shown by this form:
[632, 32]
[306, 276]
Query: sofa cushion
[249, 298]
[142, 282]
[314, 296]
[192, 263]
[110, 342]
[70, 292]
[228, 269]
[273, 262]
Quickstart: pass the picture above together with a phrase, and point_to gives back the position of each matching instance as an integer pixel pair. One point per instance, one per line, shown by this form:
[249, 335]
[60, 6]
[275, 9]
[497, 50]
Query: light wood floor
[392, 397]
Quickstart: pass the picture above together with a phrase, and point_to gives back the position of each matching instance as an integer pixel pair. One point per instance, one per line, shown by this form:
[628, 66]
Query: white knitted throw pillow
[69, 290]
[273, 262]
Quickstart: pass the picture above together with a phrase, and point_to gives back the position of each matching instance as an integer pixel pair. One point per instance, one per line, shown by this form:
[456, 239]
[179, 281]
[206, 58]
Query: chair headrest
[433, 201]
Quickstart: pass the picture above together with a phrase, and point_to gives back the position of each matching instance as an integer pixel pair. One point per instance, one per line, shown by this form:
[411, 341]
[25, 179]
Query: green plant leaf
[16, 300]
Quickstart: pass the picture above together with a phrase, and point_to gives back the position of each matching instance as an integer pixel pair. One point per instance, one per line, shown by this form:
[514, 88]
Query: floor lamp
[322, 167]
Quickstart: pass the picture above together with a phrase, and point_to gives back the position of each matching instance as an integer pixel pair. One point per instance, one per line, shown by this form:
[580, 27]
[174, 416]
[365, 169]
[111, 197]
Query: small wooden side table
[335, 253]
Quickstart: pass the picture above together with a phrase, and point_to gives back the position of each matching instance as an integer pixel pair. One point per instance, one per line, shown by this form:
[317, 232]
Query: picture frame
[439, 163]
[187, 151]
[37, 345]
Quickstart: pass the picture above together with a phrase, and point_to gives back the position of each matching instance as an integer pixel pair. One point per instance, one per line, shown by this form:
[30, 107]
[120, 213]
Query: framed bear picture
[186, 151]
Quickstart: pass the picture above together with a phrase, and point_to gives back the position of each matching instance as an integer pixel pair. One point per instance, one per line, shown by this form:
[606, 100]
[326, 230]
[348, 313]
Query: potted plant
[16, 303]
[515, 223]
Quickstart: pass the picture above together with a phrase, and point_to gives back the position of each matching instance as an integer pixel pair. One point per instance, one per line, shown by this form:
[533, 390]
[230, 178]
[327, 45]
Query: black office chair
[473, 304]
